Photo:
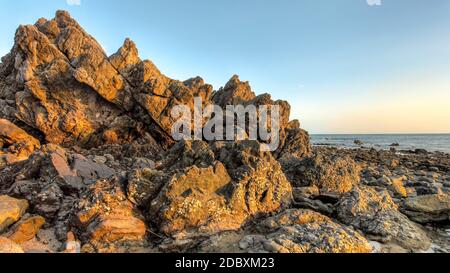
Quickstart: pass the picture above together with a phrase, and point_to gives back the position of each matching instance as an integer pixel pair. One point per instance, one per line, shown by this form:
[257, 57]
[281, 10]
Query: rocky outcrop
[104, 214]
[375, 213]
[305, 231]
[60, 82]
[331, 174]
[216, 195]
[88, 164]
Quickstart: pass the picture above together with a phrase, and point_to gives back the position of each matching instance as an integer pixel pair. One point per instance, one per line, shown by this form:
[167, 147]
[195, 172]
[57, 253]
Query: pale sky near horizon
[344, 66]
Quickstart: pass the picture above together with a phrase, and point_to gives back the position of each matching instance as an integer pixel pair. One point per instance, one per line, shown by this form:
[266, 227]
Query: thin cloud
[73, 2]
[374, 2]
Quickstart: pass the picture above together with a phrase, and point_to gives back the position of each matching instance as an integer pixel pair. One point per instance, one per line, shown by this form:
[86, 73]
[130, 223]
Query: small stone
[271, 246]
[426, 179]
[420, 173]
[100, 159]
[246, 242]
[306, 191]
[109, 157]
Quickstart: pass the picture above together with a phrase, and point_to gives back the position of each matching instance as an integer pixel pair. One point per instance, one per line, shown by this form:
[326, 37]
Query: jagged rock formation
[219, 194]
[58, 80]
[88, 163]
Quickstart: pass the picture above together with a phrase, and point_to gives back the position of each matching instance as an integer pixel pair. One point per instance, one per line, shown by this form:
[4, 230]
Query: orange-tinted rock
[11, 210]
[105, 214]
[15, 143]
[26, 229]
[8, 246]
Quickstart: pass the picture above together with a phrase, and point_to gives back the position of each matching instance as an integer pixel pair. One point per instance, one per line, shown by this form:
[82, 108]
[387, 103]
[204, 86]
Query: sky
[345, 66]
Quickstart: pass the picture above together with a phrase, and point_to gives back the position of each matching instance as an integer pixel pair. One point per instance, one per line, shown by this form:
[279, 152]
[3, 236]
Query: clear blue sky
[345, 66]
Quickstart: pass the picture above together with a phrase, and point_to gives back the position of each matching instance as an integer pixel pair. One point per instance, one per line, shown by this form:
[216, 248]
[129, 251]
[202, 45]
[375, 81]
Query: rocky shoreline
[88, 164]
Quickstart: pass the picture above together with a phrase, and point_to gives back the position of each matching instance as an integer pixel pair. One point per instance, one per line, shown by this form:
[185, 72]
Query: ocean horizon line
[375, 134]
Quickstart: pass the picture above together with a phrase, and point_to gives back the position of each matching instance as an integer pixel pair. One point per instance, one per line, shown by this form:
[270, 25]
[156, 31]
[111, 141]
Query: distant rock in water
[358, 142]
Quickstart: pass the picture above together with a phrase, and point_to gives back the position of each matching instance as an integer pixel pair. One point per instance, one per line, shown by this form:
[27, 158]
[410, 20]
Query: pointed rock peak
[64, 19]
[129, 45]
[234, 92]
[129, 50]
[196, 82]
[235, 82]
[41, 21]
[23, 31]
[235, 78]
[127, 55]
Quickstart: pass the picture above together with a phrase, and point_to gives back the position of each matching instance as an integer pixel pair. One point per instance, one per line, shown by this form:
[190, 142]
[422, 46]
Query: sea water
[429, 142]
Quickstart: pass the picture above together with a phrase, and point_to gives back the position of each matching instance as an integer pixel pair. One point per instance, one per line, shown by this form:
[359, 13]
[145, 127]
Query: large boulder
[193, 199]
[375, 213]
[305, 231]
[428, 208]
[11, 210]
[260, 185]
[242, 182]
[331, 174]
